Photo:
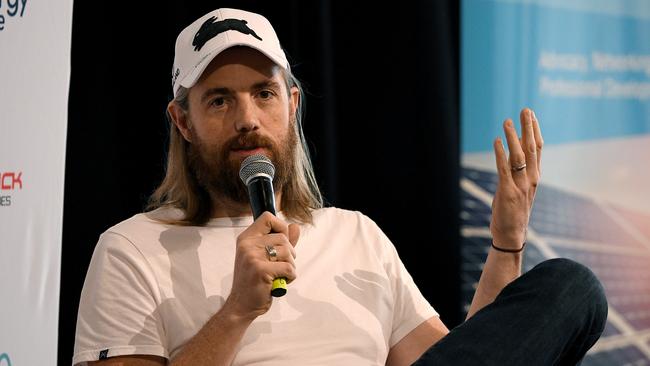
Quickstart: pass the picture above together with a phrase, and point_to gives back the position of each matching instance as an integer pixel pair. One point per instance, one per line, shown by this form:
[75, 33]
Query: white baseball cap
[199, 43]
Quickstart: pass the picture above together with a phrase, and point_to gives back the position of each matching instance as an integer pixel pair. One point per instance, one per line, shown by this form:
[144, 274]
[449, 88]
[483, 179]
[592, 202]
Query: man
[189, 282]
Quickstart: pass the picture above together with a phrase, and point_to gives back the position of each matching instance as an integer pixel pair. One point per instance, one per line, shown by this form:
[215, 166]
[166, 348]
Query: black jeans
[551, 315]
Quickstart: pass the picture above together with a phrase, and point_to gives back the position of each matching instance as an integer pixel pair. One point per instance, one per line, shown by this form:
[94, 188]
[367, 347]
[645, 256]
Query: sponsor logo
[11, 9]
[4, 360]
[211, 28]
[9, 182]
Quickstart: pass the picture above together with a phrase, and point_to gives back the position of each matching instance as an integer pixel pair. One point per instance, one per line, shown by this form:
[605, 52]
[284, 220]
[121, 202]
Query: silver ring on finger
[272, 252]
[518, 168]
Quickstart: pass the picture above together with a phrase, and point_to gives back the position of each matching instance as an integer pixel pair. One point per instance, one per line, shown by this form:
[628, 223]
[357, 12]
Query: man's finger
[516, 155]
[278, 253]
[278, 270]
[503, 168]
[267, 223]
[528, 144]
[278, 240]
[539, 141]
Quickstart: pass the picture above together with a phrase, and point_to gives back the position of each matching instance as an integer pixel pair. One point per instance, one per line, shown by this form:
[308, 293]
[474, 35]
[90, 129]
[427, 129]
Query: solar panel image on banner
[613, 242]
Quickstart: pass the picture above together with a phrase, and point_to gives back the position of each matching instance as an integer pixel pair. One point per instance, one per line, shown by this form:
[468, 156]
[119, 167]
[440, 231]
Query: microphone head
[256, 165]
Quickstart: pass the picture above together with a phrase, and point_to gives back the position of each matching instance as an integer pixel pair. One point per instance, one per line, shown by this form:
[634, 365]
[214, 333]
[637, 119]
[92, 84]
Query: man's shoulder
[339, 216]
[350, 227]
[334, 213]
[137, 221]
[143, 226]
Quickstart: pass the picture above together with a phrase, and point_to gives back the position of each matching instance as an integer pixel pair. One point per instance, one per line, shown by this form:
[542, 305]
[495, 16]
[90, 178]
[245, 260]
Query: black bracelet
[509, 250]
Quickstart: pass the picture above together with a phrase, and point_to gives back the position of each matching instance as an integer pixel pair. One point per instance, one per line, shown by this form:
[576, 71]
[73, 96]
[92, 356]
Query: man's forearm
[216, 343]
[499, 270]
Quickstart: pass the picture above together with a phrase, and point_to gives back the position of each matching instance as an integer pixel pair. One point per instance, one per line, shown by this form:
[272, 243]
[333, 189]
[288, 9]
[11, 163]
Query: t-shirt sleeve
[118, 311]
[410, 307]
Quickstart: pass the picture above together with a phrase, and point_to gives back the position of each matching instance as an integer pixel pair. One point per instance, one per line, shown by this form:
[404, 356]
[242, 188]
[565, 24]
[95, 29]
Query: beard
[218, 173]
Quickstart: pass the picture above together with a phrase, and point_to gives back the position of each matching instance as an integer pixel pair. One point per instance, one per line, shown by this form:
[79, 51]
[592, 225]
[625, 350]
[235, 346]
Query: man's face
[240, 107]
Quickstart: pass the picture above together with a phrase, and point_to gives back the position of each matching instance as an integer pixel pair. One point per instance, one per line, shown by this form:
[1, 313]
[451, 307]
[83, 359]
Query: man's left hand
[519, 174]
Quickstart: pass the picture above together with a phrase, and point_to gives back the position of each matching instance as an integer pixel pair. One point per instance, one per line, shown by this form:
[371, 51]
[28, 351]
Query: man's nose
[246, 116]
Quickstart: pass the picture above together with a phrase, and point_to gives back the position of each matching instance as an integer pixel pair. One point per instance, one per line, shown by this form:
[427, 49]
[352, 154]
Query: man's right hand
[254, 271]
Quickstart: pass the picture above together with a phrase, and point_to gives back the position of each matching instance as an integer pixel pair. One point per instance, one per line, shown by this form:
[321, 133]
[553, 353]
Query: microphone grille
[256, 165]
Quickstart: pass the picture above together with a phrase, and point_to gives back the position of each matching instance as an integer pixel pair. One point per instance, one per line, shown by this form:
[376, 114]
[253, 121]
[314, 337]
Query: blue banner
[585, 69]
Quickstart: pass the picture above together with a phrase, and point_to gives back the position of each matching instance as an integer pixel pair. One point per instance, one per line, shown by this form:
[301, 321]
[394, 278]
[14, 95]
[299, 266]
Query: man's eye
[218, 102]
[266, 94]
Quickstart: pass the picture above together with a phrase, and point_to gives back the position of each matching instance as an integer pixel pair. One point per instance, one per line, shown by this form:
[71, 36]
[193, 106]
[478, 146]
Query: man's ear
[180, 119]
[294, 100]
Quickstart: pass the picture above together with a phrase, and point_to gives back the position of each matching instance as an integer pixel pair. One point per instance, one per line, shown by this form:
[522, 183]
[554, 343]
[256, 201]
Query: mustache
[248, 141]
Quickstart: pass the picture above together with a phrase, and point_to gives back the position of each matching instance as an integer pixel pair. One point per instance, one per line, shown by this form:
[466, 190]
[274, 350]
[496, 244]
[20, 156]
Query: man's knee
[569, 281]
[568, 272]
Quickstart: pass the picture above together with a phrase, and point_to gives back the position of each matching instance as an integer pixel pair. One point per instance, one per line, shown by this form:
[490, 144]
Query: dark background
[382, 124]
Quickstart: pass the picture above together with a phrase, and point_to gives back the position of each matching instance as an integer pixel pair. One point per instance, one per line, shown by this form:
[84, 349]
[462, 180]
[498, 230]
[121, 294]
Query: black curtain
[382, 124]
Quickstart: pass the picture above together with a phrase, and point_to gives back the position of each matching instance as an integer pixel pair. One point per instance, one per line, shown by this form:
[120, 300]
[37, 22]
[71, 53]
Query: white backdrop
[34, 80]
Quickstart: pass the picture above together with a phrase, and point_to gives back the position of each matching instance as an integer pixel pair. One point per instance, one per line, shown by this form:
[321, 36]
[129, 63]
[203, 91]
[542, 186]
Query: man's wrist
[508, 250]
[232, 314]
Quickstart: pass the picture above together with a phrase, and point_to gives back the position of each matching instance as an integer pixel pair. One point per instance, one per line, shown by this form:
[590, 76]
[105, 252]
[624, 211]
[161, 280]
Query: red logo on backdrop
[9, 182]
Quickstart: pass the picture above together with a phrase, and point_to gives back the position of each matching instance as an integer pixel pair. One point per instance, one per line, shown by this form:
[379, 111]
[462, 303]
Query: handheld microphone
[257, 172]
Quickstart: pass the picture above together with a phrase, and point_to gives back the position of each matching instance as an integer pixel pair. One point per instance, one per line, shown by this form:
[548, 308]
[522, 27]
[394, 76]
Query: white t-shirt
[151, 287]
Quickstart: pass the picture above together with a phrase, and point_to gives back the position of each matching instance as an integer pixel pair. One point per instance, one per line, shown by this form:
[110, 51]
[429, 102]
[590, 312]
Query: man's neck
[225, 207]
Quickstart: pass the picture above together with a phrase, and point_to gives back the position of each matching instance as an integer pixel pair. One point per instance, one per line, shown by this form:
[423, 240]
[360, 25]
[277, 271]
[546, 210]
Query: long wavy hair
[180, 188]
